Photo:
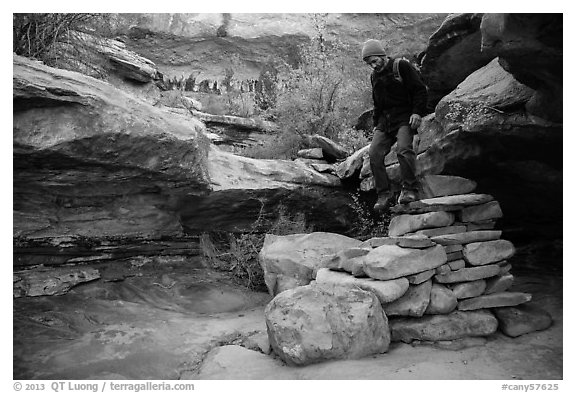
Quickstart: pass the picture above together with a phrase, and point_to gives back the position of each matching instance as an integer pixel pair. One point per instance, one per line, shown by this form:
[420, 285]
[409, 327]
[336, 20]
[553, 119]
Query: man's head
[373, 54]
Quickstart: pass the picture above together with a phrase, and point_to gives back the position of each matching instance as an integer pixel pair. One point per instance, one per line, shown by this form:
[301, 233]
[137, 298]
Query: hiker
[399, 103]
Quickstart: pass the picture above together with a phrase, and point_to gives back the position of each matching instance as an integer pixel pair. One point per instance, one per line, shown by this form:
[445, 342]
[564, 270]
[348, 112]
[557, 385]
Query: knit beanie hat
[372, 48]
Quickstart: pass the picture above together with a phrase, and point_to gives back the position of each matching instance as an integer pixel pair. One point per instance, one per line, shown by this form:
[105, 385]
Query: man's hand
[415, 121]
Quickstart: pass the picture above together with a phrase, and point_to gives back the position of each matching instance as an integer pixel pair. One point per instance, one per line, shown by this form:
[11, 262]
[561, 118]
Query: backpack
[396, 70]
[398, 77]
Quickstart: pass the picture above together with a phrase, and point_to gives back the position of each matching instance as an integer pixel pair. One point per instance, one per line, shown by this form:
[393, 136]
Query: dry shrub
[237, 253]
[63, 40]
[37, 35]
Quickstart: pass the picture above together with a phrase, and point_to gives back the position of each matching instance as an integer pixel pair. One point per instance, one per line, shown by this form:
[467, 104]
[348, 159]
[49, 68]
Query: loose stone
[522, 319]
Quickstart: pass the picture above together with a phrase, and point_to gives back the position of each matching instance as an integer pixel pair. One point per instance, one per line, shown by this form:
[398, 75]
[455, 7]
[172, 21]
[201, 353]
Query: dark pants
[381, 145]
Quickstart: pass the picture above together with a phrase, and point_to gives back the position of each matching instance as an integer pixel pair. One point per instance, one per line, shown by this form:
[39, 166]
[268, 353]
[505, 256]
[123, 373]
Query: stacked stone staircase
[441, 274]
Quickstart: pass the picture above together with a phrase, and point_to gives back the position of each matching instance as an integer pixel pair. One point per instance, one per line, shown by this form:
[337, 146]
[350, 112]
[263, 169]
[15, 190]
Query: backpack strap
[396, 70]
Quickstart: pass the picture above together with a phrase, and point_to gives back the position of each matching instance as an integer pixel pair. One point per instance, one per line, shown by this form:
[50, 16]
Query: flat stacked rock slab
[468, 274]
[444, 203]
[485, 252]
[441, 185]
[390, 262]
[467, 237]
[404, 223]
[500, 299]
[385, 291]
[453, 326]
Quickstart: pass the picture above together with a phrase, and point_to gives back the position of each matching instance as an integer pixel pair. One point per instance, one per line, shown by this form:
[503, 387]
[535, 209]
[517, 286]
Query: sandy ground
[178, 322]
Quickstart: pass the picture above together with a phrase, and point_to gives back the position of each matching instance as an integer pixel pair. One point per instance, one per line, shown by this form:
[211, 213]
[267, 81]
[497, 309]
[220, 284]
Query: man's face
[376, 62]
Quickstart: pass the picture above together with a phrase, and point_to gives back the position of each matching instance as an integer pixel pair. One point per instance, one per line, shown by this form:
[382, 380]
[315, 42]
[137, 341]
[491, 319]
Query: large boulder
[530, 47]
[488, 96]
[321, 322]
[293, 260]
[453, 53]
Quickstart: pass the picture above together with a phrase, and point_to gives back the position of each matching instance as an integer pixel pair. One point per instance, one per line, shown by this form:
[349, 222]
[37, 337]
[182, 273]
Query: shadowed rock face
[530, 47]
[92, 162]
[453, 53]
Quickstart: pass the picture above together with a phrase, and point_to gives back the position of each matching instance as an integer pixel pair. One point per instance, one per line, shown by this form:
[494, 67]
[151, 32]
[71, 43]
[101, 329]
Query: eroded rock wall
[102, 172]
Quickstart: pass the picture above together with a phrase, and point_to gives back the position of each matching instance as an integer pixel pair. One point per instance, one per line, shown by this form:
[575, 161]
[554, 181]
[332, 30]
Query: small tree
[266, 90]
[325, 94]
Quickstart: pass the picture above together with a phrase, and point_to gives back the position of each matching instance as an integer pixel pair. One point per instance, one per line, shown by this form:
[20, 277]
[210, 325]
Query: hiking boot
[407, 196]
[384, 202]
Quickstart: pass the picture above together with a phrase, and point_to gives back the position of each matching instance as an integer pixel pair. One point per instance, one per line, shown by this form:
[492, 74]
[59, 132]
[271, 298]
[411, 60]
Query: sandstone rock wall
[110, 175]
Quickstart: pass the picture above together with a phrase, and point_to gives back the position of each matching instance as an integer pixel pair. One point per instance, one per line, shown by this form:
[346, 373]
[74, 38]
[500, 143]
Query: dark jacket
[395, 101]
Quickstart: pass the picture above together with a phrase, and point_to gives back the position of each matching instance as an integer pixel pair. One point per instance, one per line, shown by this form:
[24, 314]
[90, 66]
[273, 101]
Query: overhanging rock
[98, 166]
